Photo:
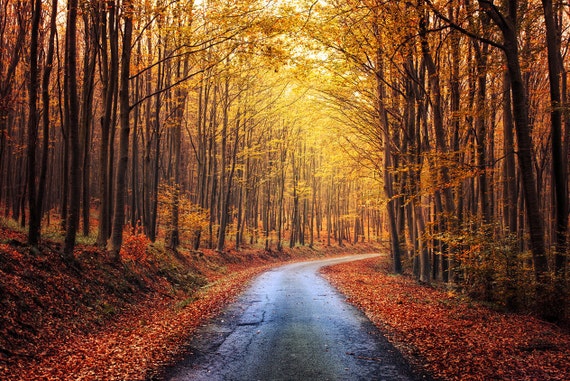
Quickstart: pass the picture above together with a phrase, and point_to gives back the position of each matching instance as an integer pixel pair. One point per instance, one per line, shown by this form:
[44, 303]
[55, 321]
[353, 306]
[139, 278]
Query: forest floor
[128, 321]
[99, 319]
[450, 336]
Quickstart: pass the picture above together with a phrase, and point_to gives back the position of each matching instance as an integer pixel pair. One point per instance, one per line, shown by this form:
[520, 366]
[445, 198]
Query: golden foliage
[192, 218]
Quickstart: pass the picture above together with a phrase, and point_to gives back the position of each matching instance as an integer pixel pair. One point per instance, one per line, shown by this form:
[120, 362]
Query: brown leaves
[132, 346]
[453, 338]
[109, 321]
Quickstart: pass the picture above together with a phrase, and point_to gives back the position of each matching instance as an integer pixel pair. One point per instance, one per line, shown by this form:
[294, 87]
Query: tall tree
[507, 22]
[46, 110]
[559, 170]
[125, 128]
[72, 119]
[33, 123]
[12, 18]
[109, 43]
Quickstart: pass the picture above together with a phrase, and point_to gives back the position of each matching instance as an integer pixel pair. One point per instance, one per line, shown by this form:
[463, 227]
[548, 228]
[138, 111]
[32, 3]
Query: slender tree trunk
[384, 125]
[534, 216]
[33, 117]
[135, 193]
[7, 76]
[213, 169]
[510, 192]
[120, 190]
[153, 221]
[73, 130]
[46, 110]
[295, 212]
[173, 236]
[110, 72]
[559, 174]
[283, 154]
[438, 122]
[227, 197]
[86, 116]
[313, 205]
[481, 129]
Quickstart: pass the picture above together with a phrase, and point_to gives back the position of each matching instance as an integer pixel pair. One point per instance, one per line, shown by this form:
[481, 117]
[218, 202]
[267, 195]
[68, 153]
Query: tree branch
[468, 33]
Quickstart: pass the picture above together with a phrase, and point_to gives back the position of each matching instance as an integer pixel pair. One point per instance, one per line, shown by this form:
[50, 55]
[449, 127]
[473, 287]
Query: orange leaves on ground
[134, 246]
[133, 347]
[452, 338]
[11, 252]
[114, 321]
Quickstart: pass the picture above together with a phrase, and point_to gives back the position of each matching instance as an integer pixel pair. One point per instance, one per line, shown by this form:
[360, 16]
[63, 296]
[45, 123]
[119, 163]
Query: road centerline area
[291, 324]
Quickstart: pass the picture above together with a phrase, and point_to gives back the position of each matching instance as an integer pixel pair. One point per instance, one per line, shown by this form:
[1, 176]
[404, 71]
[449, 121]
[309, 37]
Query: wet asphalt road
[291, 324]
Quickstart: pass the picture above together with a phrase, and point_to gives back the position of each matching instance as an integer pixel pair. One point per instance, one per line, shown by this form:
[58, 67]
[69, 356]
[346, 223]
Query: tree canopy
[438, 128]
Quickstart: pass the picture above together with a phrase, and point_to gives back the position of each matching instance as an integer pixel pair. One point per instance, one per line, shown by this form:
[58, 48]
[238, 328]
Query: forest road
[291, 324]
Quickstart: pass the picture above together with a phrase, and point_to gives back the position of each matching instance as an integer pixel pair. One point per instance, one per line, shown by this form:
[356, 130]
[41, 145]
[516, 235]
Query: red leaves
[149, 335]
[134, 246]
[453, 338]
[110, 321]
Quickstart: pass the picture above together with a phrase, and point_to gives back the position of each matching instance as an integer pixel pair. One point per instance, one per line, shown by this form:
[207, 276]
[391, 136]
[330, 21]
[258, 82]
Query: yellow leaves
[192, 218]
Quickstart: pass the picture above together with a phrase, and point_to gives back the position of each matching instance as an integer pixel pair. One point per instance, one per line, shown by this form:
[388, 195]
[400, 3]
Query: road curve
[291, 324]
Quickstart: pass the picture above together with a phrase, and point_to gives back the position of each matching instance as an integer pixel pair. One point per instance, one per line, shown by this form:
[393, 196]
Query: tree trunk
[7, 76]
[33, 117]
[510, 192]
[73, 130]
[481, 54]
[110, 71]
[173, 236]
[559, 174]
[46, 110]
[120, 189]
[384, 126]
[225, 212]
[534, 216]
[86, 115]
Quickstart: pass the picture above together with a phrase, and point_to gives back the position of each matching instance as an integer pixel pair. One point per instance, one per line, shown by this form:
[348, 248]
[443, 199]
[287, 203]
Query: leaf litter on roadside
[453, 338]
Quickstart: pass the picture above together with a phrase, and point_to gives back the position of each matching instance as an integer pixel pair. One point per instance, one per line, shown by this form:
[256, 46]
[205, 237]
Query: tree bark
[225, 212]
[90, 61]
[120, 188]
[173, 236]
[559, 174]
[519, 96]
[109, 42]
[510, 192]
[46, 110]
[33, 117]
[73, 131]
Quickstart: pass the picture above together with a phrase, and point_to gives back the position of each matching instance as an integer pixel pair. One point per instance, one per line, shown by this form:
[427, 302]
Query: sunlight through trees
[439, 129]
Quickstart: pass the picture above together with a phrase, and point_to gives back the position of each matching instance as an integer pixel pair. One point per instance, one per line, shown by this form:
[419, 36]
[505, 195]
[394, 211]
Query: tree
[109, 42]
[125, 128]
[72, 121]
[507, 24]
[559, 170]
[33, 122]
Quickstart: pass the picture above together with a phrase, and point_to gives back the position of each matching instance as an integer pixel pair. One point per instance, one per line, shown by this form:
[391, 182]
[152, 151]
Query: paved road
[291, 324]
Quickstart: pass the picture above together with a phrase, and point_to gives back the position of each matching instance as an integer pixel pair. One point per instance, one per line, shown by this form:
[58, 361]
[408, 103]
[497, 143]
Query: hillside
[100, 319]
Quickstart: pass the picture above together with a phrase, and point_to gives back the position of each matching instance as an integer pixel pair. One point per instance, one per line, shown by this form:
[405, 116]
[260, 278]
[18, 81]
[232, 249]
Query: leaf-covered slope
[99, 319]
[45, 302]
[451, 337]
